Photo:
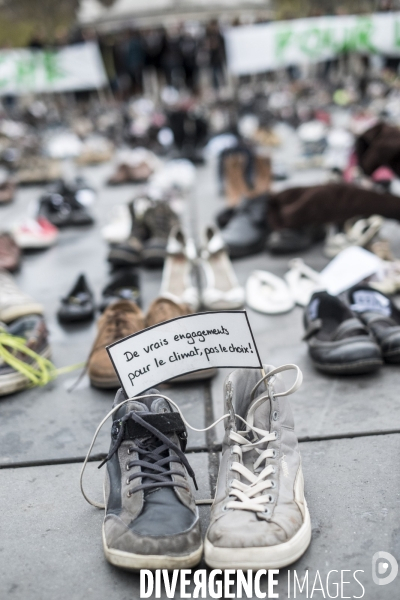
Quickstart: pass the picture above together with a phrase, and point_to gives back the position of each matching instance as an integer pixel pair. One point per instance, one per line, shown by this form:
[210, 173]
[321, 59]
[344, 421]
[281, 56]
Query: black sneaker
[338, 342]
[158, 220]
[60, 205]
[79, 304]
[124, 285]
[379, 313]
[151, 517]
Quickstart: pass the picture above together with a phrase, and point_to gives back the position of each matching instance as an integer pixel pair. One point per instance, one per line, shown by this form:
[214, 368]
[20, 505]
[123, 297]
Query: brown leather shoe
[10, 253]
[164, 309]
[118, 321]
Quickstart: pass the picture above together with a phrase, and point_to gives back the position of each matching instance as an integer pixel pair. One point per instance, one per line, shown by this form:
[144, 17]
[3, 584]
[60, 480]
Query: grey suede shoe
[151, 518]
[259, 519]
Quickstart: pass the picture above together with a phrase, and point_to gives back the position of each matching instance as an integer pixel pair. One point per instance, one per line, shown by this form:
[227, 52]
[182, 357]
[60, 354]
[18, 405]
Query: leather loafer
[380, 315]
[338, 342]
[246, 231]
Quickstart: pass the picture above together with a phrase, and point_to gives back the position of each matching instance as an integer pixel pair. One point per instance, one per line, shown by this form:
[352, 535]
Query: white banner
[72, 68]
[264, 47]
[181, 346]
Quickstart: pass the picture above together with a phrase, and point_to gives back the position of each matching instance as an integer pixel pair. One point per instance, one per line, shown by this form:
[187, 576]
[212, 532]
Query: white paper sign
[348, 268]
[184, 345]
[77, 67]
[267, 46]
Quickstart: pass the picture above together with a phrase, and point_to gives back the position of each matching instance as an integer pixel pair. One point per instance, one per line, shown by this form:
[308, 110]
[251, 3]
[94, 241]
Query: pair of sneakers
[259, 517]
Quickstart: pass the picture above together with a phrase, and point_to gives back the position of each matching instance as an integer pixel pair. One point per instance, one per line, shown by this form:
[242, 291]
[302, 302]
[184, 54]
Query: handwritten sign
[183, 345]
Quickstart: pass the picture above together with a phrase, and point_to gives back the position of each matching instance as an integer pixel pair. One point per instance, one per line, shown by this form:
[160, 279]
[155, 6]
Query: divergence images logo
[381, 561]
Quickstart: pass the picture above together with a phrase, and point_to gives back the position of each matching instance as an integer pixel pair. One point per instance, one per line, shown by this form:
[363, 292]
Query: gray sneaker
[151, 520]
[259, 519]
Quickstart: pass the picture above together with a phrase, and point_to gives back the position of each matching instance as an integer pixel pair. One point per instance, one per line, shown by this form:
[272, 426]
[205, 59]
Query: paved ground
[349, 428]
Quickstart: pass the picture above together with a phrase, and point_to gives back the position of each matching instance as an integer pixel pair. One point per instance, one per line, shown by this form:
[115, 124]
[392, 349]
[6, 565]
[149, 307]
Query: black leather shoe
[337, 340]
[286, 241]
[62, 208]
[78, 305]
[378, 312]
[246, 231]
[123, 286]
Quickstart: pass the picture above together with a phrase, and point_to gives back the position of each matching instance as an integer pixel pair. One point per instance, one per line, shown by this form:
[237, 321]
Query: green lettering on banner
[396, 34]
[282, 39]
[311, 42]
[51, 63]
[25, 71]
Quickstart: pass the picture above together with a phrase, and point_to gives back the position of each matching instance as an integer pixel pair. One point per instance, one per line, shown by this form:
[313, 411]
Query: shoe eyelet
[266, 511]
[270, 498]
[128, 481]
[273, 485]
[224, 508]
[275, 415]
[274, 455]
[276, 435]
[129, 494]
[127, 467]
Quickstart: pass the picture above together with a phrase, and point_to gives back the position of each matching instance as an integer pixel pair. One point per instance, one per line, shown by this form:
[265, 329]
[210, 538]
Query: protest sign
[181, 346]
[263, 47]
[72, 68]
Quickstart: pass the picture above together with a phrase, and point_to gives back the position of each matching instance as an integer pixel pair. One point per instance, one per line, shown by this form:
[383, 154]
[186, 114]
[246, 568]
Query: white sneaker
[119, 229]
[221, 289]
[13, 302]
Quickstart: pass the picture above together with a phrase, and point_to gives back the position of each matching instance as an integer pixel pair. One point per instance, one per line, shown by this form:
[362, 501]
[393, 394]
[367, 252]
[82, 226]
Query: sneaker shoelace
[153, 457]
[242, 443]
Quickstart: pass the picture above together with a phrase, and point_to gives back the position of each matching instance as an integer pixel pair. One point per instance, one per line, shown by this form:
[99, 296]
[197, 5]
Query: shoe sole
[106, 384]
[270, 557]
[16, 382]
[355, 368]
[135, 562]
[15, 312]
[121, 258]
[236, 252]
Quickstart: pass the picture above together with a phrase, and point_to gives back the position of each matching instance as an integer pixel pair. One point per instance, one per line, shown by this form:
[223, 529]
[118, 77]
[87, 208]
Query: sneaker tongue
[262, 417]
[152, 404]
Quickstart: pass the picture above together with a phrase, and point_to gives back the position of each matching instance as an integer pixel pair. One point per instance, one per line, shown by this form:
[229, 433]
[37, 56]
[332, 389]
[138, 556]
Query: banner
[181, 346]
[72, 68]
[265, 47]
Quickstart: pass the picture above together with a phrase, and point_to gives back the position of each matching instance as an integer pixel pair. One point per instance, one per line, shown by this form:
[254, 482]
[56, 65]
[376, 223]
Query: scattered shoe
[10, 253]
[338, 342]
[246, 231]
[379, 313]
[119, 229]
[24, 368]
[158, 221]
[259, 519]
[78, 305]
[221, 290]
[62, 208]
[286, 241]
[359, 232]
[35, 234]
[124, 285]
[129, 252]
[303, 281]
[13, 302]
[118, 321]
[151, 519]
[268, 294]
[177, 279]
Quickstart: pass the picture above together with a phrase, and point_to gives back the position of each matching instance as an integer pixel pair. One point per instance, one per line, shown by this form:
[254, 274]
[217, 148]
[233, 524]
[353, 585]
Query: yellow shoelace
[40, 371]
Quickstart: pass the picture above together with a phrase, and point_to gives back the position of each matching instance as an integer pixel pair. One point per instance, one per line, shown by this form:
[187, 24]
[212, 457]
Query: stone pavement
[349, 428]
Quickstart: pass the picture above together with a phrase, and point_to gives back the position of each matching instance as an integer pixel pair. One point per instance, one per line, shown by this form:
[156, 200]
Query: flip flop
[303, 281]
[268, 293]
